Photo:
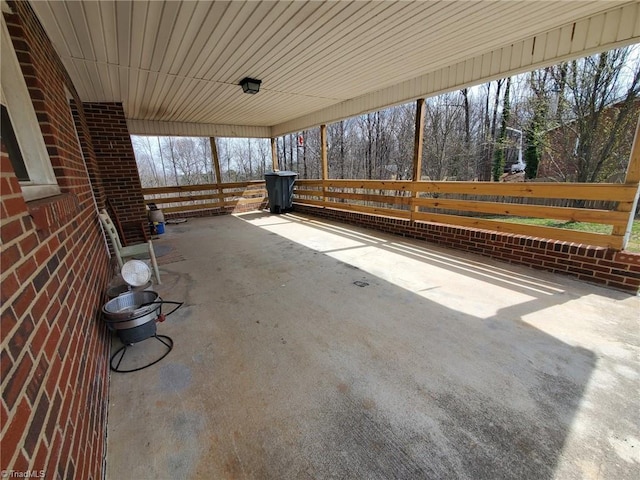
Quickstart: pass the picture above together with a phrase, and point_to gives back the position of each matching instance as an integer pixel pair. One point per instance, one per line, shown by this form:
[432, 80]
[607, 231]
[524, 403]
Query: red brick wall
[54, 348]
[86, 142]
[117, 164]
[603, 266]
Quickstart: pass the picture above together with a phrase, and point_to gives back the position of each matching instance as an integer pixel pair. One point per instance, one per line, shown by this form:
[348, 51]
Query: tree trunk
[164, 172]
[173, 161]
[281, 155]
[304, 154]
[492, 136]
[290, 152]
[499, 156]
[369, 146]
[467, 134]
[342, 159]
[250, 160]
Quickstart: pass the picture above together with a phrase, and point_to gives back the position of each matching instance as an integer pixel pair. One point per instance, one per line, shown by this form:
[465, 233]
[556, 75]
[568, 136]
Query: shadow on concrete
[301, 365]
[516, 278]
[484, 434]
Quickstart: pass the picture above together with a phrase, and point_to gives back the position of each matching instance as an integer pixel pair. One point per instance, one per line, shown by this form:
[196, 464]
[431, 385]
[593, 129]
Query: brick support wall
[116, 162]
[620, 270]
[86, 142]
[54, 349]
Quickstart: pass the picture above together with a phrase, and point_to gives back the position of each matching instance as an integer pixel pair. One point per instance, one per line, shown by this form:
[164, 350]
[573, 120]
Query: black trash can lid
[282, 173]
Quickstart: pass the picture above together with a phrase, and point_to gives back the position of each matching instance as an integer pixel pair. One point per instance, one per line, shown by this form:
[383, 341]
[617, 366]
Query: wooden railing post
[215, 159]
[216, 165]
[632, 178]
[274, 154]
[417, 151]
[323, 159]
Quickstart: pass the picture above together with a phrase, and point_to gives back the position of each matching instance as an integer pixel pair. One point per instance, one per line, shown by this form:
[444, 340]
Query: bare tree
[444, 137]
[580, 114]
[146, 165]
[594, 114]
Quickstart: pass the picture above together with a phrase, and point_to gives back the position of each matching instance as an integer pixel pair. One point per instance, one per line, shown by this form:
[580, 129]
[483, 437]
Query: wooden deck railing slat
[407, 200]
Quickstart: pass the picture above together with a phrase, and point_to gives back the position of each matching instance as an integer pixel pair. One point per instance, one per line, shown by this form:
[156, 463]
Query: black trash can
[280, 190]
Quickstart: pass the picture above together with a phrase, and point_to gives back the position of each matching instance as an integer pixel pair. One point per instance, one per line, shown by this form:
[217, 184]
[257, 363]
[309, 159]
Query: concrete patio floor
[308, 349]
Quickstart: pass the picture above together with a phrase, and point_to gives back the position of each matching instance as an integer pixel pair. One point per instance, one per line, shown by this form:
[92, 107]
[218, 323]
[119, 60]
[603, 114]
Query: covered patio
[312, 349]
[308, 346]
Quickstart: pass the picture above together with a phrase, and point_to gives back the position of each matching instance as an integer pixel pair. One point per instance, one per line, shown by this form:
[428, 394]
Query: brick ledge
[50, 213]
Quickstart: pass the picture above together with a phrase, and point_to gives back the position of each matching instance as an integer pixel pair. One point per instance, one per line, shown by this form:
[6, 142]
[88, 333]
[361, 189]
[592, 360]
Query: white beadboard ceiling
[176, 65]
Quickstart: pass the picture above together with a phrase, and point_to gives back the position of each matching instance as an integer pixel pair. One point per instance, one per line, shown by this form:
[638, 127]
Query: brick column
[118, 169]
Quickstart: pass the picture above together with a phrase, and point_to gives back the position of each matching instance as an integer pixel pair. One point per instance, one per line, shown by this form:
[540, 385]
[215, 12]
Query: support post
[417, 149]
[323, 160]
[216, 167]
[632, 177]
[216, 160]
[274, 154]
[417, 144]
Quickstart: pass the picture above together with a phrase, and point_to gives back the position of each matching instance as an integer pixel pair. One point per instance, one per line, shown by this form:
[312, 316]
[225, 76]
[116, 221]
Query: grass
[632, 246]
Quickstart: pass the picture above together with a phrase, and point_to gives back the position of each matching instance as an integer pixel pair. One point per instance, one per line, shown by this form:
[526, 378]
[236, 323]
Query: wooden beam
[417, 144]
[323, 152]
[387, 212]
[274, 154]
[388, 199]
[578, 191]
[309, 182]
[400, 185]
[308, 201]
[308, 193]
[203, 187]
[632, 179]
[417, 148]
[216, 160]
[323, 159]
[587, 238]
[605, 217]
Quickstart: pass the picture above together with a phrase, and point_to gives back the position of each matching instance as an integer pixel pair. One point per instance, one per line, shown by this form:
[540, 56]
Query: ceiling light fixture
[250, 85]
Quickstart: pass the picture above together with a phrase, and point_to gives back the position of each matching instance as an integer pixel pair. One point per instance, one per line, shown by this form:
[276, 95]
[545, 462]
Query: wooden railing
[465, 203]
[190, 198]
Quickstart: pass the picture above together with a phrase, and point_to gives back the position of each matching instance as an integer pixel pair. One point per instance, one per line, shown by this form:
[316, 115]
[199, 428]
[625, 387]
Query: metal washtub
[133, 316]
[132, 309]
